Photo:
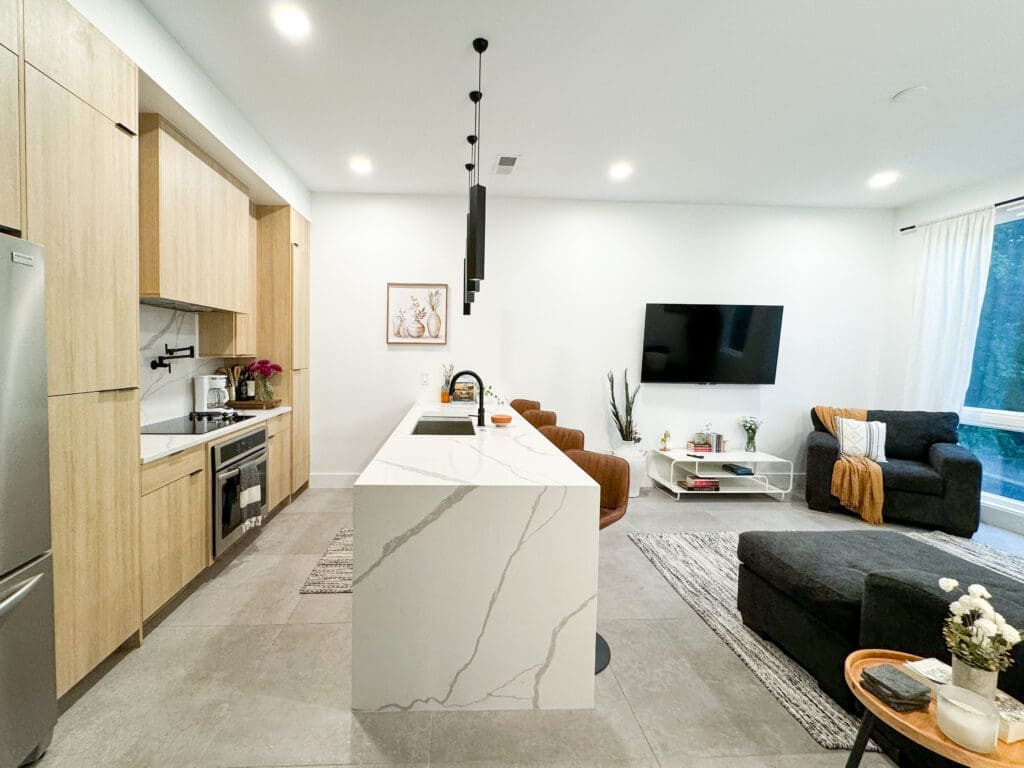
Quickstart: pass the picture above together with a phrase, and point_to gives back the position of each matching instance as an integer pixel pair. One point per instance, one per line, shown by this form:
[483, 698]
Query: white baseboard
[332, 479]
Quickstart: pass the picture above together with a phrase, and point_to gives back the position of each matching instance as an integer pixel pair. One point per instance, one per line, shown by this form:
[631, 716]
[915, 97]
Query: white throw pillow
[861, 438]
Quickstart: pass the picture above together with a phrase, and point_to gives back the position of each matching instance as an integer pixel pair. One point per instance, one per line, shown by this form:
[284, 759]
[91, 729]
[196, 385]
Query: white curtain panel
[952, 274]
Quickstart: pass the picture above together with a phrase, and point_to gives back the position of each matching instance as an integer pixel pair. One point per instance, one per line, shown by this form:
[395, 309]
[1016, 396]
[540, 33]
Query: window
[994, 414]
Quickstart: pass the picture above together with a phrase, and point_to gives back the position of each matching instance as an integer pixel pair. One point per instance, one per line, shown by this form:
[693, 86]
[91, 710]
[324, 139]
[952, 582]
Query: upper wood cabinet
[300, 293]
[175, 526]
[62, 44]
[94, 514]
[10, 139]
[194, 224]
[283, 256]
[9, 24]
[82, 190]
[229, 334]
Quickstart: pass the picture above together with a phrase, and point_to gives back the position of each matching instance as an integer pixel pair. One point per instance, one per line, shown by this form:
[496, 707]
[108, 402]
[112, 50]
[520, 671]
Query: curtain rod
[1000, 204]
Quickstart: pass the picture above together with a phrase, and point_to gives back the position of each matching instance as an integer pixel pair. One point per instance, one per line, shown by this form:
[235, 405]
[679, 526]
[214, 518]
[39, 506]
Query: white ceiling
[714, 101]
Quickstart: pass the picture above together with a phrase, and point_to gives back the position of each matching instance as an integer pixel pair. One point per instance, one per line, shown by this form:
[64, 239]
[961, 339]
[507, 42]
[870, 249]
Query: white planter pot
[980, 681]
[637, 464]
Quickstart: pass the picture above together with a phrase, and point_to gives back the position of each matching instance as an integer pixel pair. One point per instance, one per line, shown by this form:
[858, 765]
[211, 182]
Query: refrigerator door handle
[16, 595]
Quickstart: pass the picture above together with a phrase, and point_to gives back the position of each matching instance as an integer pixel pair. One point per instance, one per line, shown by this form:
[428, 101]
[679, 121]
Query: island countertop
[513, 455]
[474, 572]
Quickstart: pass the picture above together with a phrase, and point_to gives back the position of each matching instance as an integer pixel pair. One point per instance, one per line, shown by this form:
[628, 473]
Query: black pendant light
[473, 266]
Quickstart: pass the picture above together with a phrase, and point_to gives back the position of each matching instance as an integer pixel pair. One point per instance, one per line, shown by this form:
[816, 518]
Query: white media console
[669, 468]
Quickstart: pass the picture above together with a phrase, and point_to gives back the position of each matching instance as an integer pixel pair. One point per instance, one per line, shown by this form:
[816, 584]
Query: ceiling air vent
[506, 164]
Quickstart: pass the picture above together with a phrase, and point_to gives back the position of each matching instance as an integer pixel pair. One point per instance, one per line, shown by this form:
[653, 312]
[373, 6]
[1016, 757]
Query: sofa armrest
[961, 479]
[822, 454]
[904, 610]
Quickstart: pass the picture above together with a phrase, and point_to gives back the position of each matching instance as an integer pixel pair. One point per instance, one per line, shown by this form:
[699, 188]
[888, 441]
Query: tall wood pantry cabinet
[283, 319]
[79, 107]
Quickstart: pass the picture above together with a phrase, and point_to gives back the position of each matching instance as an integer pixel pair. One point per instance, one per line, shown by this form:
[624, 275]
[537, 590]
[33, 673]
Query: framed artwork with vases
[417, 313]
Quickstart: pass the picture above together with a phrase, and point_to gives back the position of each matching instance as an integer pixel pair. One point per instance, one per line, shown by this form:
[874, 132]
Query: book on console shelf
[934, 673]
[698, 447]
[699, 484]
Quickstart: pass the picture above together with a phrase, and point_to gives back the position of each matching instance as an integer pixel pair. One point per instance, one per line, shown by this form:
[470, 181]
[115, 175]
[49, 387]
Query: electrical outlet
[424, 379]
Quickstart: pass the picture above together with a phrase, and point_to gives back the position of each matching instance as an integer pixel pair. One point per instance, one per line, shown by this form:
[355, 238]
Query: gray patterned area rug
[704, 570]
[333, 573]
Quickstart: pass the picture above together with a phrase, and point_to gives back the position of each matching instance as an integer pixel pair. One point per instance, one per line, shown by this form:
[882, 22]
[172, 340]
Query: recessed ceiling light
[883, 179]
[620, 170]
[908, 93]
[361, 165]
[291, 21]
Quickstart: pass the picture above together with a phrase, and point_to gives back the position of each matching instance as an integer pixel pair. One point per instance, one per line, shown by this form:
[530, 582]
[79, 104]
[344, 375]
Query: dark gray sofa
[929, 479]
[821, 595]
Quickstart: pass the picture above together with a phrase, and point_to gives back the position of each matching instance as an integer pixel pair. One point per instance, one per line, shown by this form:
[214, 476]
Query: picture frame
[417, 313]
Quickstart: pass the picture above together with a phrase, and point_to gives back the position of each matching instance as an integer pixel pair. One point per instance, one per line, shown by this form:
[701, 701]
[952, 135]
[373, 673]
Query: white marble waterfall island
[475, 572]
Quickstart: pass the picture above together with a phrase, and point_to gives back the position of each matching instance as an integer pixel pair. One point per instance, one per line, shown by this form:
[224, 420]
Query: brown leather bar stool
[522, 406]
[541, 418]
[564, 438]
[612, 474]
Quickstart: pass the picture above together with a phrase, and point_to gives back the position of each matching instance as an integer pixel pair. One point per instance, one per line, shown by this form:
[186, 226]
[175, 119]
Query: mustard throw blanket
[856, 480]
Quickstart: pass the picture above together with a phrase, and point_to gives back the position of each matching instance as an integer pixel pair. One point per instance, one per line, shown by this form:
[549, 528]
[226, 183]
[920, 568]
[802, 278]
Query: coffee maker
[211, 394]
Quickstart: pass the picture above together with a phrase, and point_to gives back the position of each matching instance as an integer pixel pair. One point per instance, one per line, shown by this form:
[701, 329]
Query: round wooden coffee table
[920, 727]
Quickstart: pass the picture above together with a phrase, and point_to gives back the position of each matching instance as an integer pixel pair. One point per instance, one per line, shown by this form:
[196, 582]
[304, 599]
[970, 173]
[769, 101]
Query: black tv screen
[711, 343]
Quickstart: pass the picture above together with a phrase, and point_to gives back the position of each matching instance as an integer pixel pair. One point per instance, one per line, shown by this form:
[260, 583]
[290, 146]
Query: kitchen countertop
[479, 553]
[510, 456]
[153, 447]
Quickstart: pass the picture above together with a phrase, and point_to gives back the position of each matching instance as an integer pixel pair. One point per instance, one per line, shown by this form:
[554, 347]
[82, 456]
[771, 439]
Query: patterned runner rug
[704, 570]
[333, 573]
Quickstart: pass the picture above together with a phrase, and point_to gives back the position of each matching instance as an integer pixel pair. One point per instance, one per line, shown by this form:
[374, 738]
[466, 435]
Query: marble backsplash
[168, 394]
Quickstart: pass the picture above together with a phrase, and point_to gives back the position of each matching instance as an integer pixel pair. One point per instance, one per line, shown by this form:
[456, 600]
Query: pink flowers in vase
[262, 371]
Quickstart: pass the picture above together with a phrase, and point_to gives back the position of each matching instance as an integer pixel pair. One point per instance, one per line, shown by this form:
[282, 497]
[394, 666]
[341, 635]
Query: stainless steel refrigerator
[28, 704]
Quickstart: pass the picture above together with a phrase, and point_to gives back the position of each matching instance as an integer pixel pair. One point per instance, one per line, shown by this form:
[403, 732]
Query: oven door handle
[255, 458]
[225, 476]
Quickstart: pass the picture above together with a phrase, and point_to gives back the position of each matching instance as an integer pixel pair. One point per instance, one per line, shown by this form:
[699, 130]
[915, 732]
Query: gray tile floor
[242, 671]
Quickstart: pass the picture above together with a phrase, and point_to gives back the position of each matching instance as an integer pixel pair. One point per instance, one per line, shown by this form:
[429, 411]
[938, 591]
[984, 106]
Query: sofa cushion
[912, 476]
[825, 571]
[909, 434]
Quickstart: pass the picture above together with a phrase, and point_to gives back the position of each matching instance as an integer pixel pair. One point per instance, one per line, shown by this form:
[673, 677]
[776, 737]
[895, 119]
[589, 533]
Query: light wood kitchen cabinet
[82, 191]
[194, 224]
[230, 334]
[62, 44]
[94, 515]
[10, 141]
[279, 459]
[300, 428]
[9, 25]
[175, 543]
[283, 269]
[300, 291]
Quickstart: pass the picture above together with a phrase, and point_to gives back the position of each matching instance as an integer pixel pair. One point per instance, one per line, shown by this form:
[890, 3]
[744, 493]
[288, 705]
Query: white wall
[1007, 187]
[136, 32]
[564, 301]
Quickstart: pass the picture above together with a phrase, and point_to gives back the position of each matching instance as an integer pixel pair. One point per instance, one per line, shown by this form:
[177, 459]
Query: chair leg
[603, 655]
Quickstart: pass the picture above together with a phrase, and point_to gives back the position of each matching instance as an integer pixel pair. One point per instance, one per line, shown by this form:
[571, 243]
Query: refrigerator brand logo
[23, 258]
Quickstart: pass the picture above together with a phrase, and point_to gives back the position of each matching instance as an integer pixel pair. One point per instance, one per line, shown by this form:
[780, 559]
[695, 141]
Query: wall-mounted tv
[711, 343]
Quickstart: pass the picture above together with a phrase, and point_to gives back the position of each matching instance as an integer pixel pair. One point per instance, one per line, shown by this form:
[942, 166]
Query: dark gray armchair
[929, 479]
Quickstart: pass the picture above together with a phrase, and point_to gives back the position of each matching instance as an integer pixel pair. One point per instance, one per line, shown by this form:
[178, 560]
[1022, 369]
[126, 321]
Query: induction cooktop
[195, 424]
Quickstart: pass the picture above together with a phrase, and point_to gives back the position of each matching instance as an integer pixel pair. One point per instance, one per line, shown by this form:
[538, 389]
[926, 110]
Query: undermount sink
[444, 425]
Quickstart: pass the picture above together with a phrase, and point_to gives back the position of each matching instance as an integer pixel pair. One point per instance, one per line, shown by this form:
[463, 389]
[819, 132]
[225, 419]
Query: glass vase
[751, 446]
[264, 389]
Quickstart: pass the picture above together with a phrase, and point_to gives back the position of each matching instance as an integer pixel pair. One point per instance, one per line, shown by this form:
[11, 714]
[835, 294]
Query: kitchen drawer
[160, 473]
[282, 423]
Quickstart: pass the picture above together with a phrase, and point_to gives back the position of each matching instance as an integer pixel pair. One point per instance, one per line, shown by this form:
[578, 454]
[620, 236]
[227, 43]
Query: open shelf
[669, 468]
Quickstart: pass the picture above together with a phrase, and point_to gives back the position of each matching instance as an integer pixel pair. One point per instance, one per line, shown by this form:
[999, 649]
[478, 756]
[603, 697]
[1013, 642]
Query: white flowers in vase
[975, 633]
